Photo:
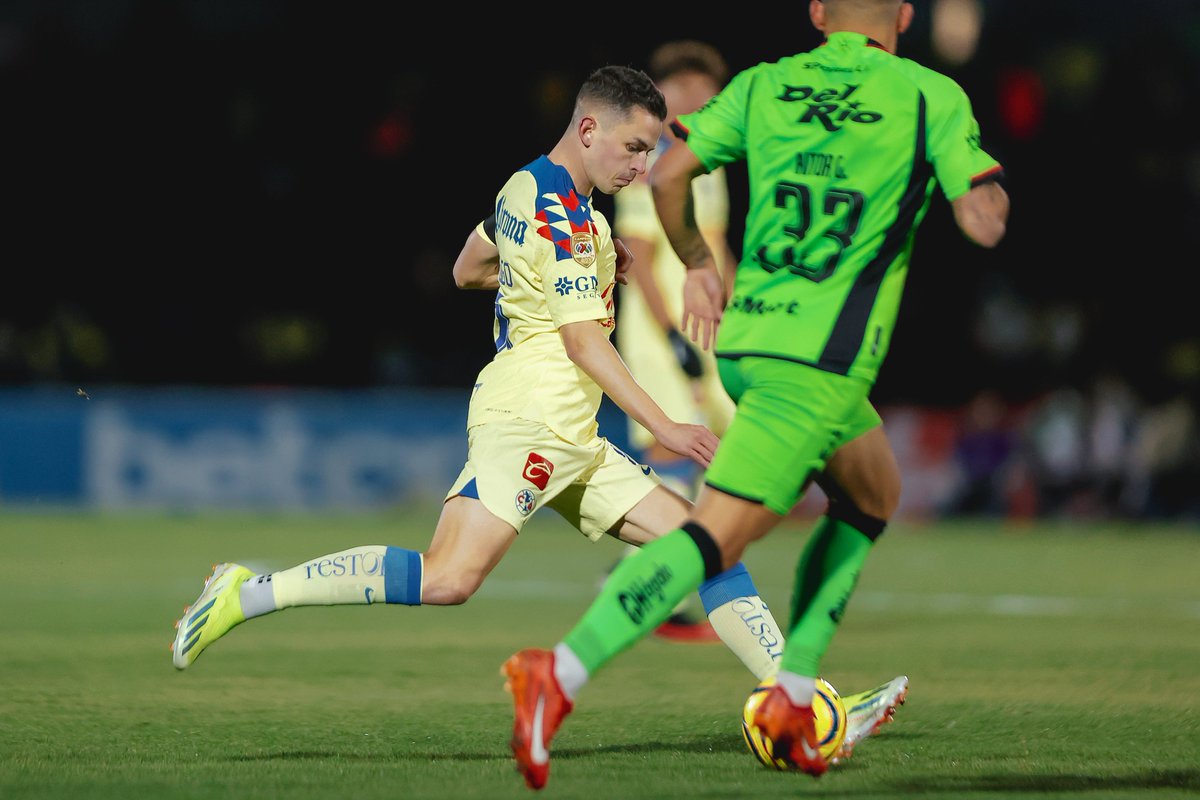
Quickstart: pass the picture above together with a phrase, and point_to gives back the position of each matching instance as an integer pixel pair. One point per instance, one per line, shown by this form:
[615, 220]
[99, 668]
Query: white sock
[800, 688]
[257, 596]
[747, 628]
[348, 577]
[569, 671]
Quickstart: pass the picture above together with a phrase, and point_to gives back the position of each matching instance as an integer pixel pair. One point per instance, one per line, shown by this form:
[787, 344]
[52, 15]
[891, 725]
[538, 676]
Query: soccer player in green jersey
[844, 146]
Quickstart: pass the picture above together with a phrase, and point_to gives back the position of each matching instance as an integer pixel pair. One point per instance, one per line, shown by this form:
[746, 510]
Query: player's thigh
[467, 545]
[864, 469]
[598, 502]
[655, 515]
[516, 466]
[788, 421]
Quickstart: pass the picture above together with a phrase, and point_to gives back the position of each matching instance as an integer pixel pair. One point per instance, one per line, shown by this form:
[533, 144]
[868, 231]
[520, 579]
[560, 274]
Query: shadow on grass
[699, 744]
[1016, 784]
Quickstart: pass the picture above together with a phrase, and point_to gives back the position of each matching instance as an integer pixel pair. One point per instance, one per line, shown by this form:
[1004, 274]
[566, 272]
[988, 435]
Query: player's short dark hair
[688, 55]
[623, 89]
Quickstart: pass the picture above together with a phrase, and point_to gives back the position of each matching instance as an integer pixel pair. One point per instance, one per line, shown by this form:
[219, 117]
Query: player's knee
[452, 592]
[449, 587]
[882, 501]
[878, 498]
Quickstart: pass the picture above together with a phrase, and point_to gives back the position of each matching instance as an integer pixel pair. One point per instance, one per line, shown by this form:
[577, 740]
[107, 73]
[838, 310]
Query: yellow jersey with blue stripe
[557, 266]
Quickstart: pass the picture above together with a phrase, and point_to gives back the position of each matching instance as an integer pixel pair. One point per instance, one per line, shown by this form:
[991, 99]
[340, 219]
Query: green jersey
[843, 146]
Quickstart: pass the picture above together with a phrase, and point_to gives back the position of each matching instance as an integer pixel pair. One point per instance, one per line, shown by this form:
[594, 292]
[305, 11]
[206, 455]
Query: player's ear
[906, 17]
[816, 12]
[587, 130]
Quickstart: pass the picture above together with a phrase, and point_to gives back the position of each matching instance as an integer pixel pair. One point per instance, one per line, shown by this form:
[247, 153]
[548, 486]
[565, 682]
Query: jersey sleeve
[487, 229]
[573, 292]
[717, 132]
[570, 276]
[959, 160]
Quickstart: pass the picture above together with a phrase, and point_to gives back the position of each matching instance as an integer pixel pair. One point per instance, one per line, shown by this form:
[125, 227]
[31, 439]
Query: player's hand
[703, 303]
[624, 261]
[693, 441]
[685, 354]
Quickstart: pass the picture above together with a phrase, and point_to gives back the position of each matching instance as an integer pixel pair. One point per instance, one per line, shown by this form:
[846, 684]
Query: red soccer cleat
[539, 707]
[792, 731]
[683, 628]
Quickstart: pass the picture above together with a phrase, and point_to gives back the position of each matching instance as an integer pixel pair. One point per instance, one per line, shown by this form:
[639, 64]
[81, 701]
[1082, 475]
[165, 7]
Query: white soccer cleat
[867, 712]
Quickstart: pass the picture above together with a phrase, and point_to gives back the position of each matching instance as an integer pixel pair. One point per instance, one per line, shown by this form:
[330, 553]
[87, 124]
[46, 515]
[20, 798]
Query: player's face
[619, 148]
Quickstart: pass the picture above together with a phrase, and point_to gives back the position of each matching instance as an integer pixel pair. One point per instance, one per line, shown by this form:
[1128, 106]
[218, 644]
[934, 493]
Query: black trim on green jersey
[847, 337]
[679, 130]
[734, 356]
[868, 43]
[489, 228]
[734, 494]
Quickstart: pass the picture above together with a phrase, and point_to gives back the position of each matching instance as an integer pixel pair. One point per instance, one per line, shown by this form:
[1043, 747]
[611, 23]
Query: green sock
[825, 576]
[637, 598]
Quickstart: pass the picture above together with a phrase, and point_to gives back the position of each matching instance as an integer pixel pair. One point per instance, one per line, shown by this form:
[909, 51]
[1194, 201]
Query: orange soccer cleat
[539, 707]
[792, 731]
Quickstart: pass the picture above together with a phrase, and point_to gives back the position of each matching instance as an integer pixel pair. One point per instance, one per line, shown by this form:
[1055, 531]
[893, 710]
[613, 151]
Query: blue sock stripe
[731, 584]
[402, 576]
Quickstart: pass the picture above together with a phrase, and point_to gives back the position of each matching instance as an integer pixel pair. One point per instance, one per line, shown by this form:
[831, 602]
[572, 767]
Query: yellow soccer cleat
[215, 612]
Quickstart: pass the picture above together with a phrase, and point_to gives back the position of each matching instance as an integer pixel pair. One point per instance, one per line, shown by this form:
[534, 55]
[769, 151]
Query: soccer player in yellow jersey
[531, 427]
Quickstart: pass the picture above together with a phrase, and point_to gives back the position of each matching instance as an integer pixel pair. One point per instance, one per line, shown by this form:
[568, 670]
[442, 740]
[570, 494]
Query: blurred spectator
[982, 456]
[1055, 446]
[1164, 468]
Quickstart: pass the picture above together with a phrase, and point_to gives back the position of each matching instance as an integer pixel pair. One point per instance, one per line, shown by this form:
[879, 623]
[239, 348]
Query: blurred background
[229, 229]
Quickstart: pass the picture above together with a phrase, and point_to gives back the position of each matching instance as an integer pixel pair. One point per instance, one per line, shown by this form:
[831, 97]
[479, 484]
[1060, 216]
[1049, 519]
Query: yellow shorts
[516, 466]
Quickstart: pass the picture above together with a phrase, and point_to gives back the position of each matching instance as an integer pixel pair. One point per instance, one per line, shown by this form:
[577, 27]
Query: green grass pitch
[1046, 661]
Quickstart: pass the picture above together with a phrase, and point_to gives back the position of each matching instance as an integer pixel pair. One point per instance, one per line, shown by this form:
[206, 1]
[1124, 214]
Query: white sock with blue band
[743, 621]
[358, 576]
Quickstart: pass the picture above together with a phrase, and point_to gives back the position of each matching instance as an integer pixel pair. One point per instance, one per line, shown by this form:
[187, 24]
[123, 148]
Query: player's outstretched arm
[982, 214]
[478, 264]
[588, 347]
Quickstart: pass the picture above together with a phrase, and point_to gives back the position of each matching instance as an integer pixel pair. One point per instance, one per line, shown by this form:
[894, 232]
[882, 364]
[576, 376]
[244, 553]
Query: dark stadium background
[272, 194]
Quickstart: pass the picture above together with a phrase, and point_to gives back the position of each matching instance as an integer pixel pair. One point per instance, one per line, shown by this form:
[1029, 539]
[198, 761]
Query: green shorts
[790, 419]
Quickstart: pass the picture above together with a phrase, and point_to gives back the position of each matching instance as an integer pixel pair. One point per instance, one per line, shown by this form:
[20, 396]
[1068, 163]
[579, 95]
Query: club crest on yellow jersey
[583, 248]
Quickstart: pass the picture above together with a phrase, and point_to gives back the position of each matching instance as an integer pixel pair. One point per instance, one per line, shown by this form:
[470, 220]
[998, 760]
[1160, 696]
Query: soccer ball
[831, 723]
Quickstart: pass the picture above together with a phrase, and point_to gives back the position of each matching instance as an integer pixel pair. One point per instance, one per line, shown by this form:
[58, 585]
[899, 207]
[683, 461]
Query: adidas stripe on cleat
[216, 611]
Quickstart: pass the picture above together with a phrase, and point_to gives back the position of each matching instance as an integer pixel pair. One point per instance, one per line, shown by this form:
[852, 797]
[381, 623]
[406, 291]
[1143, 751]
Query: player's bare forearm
[982, 214]
[477, 265]
[588, 347]
[671, 182]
